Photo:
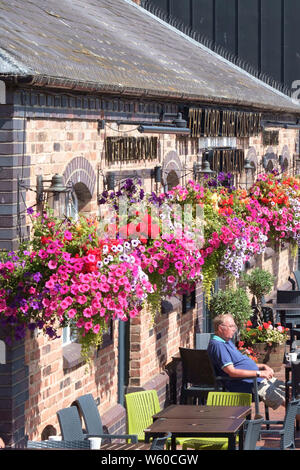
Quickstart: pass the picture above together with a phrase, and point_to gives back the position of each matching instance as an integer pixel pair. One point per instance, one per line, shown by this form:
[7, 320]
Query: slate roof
[118, 47]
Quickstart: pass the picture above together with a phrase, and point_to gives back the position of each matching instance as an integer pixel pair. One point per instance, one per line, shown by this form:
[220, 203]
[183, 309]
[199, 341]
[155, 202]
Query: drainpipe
[121, 363]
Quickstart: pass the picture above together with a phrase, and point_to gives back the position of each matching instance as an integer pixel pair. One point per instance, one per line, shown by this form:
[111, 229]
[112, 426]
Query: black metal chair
[290, 318]
[92, 420]
[71, 428]
[287, 430]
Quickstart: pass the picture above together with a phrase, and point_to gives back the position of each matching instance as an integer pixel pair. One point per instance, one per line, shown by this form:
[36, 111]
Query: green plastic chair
[218, 399]
[141, 406]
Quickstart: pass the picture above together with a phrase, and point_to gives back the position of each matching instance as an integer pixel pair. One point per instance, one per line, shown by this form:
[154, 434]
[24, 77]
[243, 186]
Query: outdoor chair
[159, 443]
[252, 434]
[295, 347]
[83, 444]
[218, 399]
[91, 417]
[141, 406]
[287, 430]
[289, 318]
[198, 376]
[202, 340]
[293, 385]
[297, 279]
[71, 428]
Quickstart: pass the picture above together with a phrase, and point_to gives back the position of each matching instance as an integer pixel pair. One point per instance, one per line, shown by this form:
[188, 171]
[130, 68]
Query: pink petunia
[81, 299]
[96, 328]
[52, 264]
[71, 313]
[68, 235]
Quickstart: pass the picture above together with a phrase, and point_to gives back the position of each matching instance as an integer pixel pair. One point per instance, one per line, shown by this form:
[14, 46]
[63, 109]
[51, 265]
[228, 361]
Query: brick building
[72, 79]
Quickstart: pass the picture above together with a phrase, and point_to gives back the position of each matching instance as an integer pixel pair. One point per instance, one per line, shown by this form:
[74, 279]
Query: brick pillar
[135, 351]
[14, 164]
[13, 394]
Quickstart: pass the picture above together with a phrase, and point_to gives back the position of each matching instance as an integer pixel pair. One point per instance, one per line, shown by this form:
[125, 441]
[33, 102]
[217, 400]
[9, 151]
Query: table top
[126, 446]
[283, 306]
[190, 427]
[200, 412]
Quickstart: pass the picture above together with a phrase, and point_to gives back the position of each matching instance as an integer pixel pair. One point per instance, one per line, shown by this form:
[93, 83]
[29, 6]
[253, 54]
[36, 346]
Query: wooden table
[195, 427]
[203, 411]
[125, 446]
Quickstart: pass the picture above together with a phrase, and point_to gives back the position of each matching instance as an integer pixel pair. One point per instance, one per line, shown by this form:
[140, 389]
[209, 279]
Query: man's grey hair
[219, 320]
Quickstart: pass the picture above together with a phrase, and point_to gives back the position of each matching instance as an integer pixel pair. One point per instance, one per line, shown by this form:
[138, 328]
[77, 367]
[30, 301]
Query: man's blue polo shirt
[223, 353]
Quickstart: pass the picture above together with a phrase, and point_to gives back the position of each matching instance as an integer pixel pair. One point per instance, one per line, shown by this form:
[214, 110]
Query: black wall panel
[265, 33]
[181, 10]
[271, 38]
[248, 31]
[225, 24]
[291, 32]
[203, 17]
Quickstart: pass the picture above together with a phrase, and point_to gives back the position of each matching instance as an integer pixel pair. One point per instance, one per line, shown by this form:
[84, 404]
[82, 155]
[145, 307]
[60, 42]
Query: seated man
[229, 361]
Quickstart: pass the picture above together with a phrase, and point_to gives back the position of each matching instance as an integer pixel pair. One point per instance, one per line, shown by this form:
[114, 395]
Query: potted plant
[234, 301]
[260, 283]
[267, 341]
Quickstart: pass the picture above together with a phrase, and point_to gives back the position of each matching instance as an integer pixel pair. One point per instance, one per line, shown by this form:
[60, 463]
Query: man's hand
[265, 371]
[267, 374]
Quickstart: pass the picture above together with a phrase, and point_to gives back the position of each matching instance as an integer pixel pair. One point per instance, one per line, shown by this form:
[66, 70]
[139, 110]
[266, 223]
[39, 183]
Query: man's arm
[243, 373]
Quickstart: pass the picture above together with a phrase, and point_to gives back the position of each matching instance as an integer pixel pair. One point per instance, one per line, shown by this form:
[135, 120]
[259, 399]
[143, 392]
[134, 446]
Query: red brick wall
[51, 387]
[52, 144]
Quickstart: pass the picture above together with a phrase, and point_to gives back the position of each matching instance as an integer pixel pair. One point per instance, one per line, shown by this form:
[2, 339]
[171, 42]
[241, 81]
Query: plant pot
[271, 355]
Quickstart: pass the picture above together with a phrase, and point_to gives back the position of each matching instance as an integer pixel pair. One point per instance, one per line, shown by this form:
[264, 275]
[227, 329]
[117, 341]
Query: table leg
[287, 391]
[241, 438]
[173, 443]
[231, 442]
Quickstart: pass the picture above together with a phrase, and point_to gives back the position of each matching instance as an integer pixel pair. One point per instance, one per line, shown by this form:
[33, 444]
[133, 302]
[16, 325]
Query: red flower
[45, 240]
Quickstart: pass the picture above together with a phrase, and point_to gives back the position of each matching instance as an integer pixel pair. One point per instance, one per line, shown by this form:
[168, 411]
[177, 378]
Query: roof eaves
[47, 81]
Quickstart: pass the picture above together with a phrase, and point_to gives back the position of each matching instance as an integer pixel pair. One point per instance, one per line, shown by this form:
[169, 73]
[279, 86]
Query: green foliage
[233, 301]
[260, 282]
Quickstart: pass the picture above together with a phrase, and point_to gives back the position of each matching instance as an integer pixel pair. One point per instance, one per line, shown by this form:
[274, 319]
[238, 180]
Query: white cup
[95, 442]
[54, 438]
[291, 357]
